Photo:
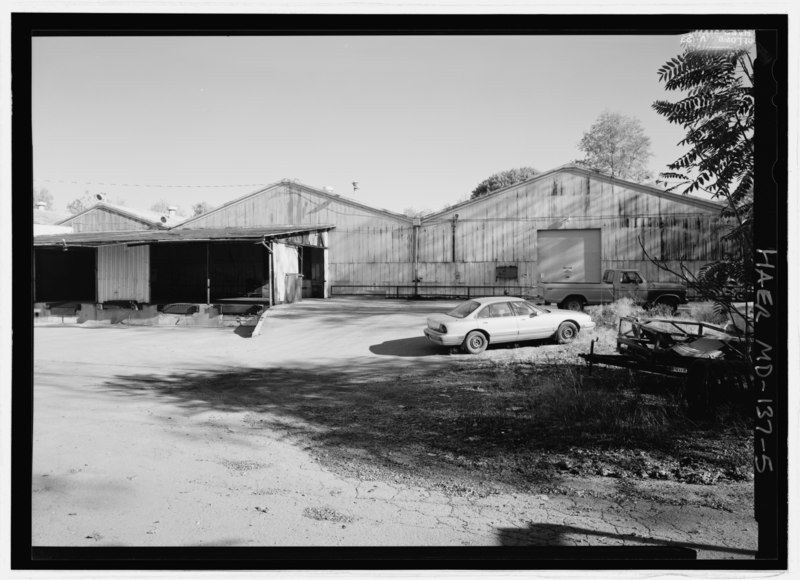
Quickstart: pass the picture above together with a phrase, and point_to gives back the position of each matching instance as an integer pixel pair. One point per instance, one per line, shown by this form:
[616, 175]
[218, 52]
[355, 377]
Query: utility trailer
[712, 360]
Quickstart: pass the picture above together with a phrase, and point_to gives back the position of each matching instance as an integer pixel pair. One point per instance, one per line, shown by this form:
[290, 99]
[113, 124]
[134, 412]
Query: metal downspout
[415, 254]
[454, 224]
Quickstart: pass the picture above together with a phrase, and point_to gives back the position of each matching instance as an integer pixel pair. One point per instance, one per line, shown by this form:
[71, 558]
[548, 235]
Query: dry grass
[612, 406]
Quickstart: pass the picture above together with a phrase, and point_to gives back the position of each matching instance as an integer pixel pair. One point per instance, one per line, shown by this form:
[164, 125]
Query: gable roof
[304, 188]
[577, 169]
[151, 218]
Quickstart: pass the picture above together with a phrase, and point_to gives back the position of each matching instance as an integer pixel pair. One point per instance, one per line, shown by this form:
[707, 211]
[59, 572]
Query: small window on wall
[506, 273]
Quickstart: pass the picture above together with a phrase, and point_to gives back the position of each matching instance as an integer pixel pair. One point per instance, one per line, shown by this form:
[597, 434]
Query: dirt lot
[341, 426]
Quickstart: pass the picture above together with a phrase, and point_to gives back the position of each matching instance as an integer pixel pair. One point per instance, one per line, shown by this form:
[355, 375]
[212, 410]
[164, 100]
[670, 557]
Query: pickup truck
[616, 284]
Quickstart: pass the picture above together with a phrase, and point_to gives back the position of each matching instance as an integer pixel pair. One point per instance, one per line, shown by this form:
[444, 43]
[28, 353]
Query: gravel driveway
[124, 456]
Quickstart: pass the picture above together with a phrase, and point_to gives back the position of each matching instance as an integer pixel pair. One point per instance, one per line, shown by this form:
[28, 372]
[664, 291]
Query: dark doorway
[179, 272]
[62, 276]
[313, 272]
[239, 270]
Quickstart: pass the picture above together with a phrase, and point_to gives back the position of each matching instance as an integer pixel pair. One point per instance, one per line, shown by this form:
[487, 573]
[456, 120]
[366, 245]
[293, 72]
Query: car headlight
[442, 329]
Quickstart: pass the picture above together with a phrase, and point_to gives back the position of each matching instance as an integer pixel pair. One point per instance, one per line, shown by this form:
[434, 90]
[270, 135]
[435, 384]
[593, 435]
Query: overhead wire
[145, 184]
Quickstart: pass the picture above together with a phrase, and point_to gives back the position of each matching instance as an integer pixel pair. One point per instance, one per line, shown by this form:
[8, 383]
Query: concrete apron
[206, 316]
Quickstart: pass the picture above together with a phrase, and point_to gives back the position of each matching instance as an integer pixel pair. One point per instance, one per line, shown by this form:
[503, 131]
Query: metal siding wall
[123, 273]
[370, 248]
[501, 230]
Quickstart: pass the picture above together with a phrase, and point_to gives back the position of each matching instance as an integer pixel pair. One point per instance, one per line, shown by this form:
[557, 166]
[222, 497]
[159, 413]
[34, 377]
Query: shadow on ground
[417, 346]
[244, 331]
[563, 535]
[421, 346]
[506, 423]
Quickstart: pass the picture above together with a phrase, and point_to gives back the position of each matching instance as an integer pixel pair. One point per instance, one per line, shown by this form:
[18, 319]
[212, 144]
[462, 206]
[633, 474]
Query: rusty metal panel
[123, 273]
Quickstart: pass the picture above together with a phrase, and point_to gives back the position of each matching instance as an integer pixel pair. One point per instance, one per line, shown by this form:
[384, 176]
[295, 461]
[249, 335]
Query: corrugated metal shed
[467, 243]
[369, 245]
[569, 221]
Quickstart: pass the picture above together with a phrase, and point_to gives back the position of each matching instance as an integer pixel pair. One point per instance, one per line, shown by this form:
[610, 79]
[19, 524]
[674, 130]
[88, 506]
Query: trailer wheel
[572, 303]
[699, 386]
[567, 331]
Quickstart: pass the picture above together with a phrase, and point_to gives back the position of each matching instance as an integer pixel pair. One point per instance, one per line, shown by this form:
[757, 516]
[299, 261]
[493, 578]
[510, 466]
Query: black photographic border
[771, 137]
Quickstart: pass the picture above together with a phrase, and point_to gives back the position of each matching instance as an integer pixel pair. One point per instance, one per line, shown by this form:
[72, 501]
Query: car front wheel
[567, 331]
[475, 342]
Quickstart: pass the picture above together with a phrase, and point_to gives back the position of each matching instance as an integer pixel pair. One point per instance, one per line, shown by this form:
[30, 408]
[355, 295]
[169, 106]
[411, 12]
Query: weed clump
[608, 315]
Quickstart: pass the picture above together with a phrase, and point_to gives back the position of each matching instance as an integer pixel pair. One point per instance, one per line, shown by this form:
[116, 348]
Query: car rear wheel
[671, 304]
[475, 342]
[567, 331]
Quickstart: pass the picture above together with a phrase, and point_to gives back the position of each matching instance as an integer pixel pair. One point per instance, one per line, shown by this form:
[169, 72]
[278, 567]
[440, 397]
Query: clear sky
[417, 121]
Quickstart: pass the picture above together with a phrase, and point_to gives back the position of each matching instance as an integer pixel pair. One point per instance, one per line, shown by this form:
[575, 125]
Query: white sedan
[480, 321]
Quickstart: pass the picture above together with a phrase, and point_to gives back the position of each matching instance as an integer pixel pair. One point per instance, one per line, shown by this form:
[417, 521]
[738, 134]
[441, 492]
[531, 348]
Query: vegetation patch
[526, 425]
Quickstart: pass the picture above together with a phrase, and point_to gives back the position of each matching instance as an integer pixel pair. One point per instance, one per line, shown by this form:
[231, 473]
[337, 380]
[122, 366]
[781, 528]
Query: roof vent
[100, 196]
[328, 188]
[41, 205]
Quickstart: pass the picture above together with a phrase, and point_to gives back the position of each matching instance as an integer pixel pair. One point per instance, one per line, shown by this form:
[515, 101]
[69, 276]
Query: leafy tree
[616, 144]
[503, 179]
[413, 212]
[87, 200]
[79, 204]
[717, 112]
[201, 208]
[163, 206]
[42, 195]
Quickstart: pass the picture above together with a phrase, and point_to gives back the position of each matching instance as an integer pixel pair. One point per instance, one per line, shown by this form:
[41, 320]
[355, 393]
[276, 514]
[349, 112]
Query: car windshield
[464, 309]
